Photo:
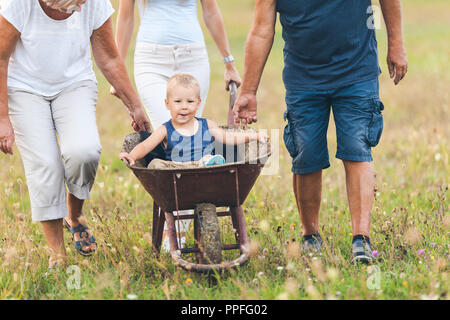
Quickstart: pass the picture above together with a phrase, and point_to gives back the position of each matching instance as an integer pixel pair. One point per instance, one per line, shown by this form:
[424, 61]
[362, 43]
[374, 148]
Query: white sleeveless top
[51, 55]
[169, 22]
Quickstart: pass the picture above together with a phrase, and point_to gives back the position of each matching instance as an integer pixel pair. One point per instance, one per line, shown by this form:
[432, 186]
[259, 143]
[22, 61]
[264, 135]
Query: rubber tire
[210, 243]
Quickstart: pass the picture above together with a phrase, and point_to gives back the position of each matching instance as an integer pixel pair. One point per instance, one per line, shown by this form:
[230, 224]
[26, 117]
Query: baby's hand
[128, 158]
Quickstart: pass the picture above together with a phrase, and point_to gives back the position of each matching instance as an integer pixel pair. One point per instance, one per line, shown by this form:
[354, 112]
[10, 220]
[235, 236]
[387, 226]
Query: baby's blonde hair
[185, 80]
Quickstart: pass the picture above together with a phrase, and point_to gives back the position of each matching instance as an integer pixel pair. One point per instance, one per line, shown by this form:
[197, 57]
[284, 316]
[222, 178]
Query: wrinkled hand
[397, 62]
[139, 121]
[67, 6]
[244, 110]
[128, 158]
[6, 136]
[231, 74]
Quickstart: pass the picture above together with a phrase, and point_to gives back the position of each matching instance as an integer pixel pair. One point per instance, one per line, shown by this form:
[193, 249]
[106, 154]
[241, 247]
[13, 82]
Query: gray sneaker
[313, 244]
[362, 252]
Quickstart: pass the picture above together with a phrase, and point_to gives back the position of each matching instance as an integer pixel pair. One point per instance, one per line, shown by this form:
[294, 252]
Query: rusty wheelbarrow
[203, 189]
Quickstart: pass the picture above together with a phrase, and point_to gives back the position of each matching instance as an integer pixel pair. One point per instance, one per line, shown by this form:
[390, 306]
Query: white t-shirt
[52, 54]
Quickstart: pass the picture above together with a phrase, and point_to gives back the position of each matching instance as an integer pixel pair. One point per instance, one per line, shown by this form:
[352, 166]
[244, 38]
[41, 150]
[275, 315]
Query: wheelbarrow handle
[233, 96]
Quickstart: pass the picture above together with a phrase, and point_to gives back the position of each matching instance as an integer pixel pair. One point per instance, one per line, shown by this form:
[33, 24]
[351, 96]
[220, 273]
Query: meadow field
[410, 219]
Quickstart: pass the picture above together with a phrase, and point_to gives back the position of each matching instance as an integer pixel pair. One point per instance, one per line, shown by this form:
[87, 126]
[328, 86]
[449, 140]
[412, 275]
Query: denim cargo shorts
[357, 111]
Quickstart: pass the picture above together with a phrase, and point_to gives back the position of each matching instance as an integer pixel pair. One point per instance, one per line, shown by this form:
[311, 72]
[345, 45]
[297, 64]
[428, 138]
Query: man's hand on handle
[6, 136]
[244, 110]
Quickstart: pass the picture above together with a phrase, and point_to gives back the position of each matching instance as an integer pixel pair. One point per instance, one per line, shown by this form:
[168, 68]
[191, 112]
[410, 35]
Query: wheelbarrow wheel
[210, 244]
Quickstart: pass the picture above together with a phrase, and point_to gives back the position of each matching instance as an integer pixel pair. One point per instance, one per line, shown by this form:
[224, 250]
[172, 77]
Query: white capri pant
[154, 64]
[39, 123]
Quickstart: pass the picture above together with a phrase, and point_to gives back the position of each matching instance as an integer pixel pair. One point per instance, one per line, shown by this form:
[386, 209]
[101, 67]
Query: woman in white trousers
[170, 41]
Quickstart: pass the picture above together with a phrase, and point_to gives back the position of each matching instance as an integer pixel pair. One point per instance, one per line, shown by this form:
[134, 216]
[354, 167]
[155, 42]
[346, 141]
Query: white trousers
[154, 64]
[39, 123]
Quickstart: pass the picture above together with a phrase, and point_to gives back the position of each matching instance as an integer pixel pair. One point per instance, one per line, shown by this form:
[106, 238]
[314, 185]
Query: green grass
[410, 212]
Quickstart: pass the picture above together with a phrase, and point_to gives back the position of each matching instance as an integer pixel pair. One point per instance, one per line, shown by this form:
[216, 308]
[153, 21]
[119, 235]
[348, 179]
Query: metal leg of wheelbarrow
[158, 227]
[197, 238]
[237, 217]
[172, 232]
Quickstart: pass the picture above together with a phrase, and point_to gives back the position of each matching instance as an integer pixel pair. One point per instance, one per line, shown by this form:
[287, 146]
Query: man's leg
[308, 193]
[360, 180]
[359, 124]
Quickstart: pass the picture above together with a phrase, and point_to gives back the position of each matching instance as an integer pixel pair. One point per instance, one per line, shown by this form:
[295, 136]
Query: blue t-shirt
[182, 148]
[328, 43]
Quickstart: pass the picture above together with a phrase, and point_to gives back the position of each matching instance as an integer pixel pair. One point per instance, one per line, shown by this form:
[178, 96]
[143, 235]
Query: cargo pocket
[289, 138]
[375, 128]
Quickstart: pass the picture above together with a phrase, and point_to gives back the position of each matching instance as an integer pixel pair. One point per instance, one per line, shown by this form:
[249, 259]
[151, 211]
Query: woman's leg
[75, 206]
[53, 231]
[36, 140]
[75, 121]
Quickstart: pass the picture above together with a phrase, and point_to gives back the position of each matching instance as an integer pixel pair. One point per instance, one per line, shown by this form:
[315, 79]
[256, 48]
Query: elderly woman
[48, 95]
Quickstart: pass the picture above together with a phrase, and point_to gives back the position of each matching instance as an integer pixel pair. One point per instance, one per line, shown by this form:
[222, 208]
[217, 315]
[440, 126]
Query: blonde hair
[185, 80]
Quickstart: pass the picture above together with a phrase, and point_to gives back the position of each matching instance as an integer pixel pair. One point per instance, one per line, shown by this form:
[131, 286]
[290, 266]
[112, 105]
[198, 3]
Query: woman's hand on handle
[6, 136]
[231, 74]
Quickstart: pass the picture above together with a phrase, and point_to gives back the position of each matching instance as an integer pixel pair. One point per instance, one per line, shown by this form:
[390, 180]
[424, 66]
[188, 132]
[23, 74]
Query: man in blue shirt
[331, 63]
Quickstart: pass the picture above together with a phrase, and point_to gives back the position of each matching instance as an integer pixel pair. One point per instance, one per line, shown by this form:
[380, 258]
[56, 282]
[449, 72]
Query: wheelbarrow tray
[226, 185]
[222, 185]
